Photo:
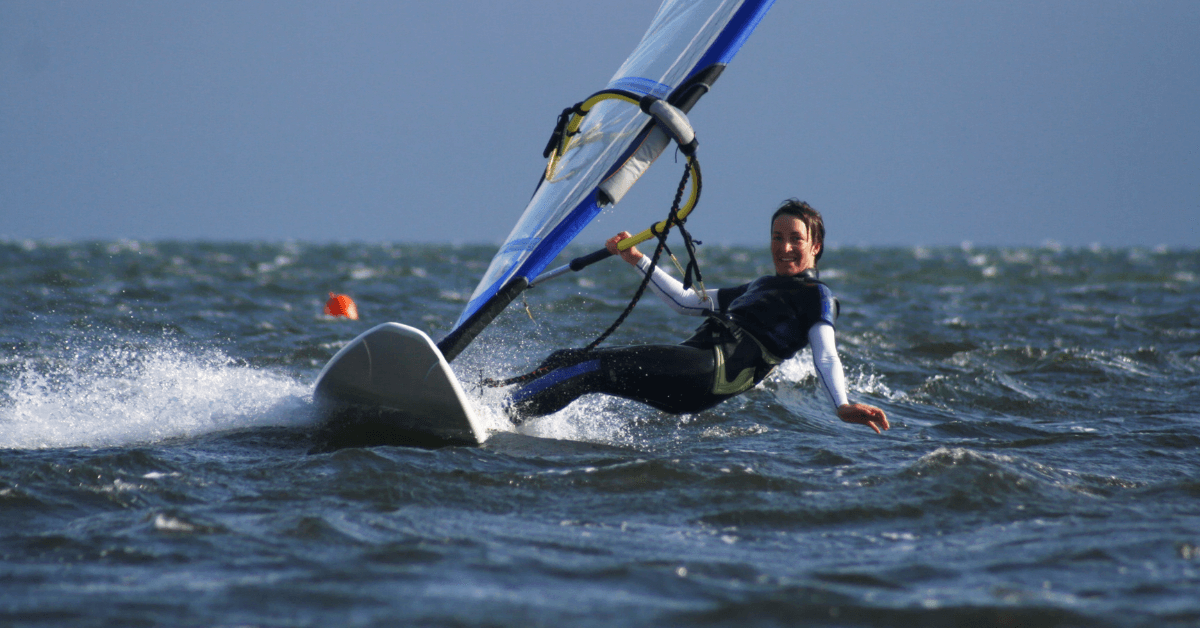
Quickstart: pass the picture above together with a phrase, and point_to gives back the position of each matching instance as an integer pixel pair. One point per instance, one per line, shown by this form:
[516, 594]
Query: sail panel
[685, 37]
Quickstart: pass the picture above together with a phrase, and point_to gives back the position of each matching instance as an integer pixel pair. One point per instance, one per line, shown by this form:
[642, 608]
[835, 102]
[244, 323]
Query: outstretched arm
[833, 381]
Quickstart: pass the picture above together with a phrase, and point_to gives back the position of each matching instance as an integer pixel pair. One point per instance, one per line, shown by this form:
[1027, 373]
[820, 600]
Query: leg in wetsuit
[672, 378]
[678, 379]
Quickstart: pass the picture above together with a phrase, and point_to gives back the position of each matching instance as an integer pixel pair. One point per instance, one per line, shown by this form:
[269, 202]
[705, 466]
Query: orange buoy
[341, 305]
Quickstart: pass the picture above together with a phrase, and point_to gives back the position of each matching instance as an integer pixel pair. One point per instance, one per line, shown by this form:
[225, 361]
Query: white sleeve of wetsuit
[671, 291]
[827, 363]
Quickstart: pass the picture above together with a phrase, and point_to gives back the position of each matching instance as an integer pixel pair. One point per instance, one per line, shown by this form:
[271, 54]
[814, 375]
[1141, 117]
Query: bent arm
[833, 380]
[668, 288]
[671, 291]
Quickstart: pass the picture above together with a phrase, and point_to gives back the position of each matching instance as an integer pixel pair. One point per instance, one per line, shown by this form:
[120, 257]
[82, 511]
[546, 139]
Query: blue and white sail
[687, 45]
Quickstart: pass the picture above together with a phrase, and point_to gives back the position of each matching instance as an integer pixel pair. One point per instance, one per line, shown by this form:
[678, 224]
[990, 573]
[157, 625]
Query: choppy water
[155, 419]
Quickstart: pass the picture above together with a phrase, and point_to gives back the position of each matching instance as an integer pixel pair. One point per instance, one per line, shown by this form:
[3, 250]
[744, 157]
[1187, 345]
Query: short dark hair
[807, 215]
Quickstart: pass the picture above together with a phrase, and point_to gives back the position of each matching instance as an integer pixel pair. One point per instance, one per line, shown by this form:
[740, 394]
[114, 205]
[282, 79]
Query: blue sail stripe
[522, 244]
[552, 244]
[640, 85]
[736, 32]
[561, 236]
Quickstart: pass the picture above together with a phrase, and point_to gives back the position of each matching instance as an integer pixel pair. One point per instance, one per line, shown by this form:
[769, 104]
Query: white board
[391, 386]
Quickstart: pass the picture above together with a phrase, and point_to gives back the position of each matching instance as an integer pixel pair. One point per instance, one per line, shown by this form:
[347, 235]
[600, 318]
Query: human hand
[863, 414]
[631, 255]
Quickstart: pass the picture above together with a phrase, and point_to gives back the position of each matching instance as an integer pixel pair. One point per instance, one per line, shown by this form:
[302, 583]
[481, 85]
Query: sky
[905, 123]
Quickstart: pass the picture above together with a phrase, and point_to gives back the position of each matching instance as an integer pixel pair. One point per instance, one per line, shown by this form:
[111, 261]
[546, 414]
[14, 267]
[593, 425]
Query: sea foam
[119, 394]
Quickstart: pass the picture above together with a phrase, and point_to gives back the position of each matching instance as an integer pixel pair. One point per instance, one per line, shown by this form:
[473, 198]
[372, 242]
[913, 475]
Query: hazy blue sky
[1007, 122]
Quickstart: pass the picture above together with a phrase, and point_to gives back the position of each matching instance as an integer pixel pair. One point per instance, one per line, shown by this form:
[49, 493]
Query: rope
[672, 219]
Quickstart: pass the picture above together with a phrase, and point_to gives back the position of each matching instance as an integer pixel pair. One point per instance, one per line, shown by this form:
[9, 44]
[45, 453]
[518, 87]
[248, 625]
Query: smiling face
[792, 250]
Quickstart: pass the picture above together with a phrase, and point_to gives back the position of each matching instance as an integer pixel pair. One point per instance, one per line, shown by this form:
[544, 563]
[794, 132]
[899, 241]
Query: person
[749, 330]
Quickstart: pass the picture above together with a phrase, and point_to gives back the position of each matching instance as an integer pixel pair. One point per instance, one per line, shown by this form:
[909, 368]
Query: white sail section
[685, 38]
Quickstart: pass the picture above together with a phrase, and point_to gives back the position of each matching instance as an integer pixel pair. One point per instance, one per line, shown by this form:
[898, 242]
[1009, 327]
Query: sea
[159, 463]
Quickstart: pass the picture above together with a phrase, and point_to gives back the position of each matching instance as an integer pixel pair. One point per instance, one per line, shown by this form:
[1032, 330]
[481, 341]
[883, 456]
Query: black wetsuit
[756, 326]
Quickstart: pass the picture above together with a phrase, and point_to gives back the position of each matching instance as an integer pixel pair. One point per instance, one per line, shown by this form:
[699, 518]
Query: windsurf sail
[688, 44]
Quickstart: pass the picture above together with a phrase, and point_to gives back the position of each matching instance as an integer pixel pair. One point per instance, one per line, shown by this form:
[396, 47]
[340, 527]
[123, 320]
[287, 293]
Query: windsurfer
[749, 329]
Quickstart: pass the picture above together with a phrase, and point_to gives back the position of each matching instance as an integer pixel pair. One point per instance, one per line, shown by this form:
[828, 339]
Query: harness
[752, 360]
[748, 362]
